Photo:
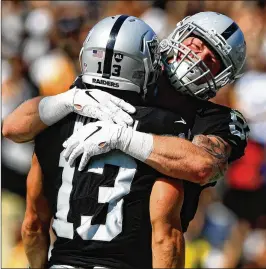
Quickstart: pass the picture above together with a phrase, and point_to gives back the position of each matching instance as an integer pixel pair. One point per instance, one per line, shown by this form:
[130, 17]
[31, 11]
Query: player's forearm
[179, 158]
[171, 156]
[36, 243]
[34, 115]
[24, 123]
[168, 251]
[36, 224]
[168, 245]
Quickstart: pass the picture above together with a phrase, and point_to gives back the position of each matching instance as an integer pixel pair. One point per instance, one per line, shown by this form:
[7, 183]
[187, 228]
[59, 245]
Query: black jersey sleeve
[41, 142]
[226, 123]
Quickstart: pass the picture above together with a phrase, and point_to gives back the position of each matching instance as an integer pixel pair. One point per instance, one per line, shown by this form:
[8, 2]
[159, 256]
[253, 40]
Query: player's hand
[101, 105]
[93, 139]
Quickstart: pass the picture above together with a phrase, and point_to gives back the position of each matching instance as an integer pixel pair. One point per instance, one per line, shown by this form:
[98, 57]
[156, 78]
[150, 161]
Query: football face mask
[189, 72]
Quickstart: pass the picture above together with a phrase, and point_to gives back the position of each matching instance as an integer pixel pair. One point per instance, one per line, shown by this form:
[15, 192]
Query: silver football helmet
[188, 73]
[122, 53]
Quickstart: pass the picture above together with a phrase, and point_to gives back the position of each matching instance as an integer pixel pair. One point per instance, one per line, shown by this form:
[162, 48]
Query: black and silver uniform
[220, 121]
[101, 215]
[207, 118]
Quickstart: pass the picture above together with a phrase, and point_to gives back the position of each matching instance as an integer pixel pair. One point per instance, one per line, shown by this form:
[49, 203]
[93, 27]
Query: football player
[205, 52]
[101, 215]
[192, 51]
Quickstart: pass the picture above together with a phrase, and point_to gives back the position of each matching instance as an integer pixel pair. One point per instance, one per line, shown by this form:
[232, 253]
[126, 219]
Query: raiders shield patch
[153, 46]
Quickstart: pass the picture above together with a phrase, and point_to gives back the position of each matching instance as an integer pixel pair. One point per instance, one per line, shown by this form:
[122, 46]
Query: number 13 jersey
[101, 215]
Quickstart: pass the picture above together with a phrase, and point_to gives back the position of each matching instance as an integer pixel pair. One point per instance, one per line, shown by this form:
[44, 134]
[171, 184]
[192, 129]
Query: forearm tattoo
[217, 148]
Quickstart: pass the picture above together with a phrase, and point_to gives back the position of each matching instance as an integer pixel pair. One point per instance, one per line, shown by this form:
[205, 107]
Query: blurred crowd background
[41, 41]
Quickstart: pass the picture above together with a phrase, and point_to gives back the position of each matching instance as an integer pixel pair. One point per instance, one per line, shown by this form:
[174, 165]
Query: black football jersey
[222, 121]
[206, 117]
[101, 215]
[231, 126]
[209, 119]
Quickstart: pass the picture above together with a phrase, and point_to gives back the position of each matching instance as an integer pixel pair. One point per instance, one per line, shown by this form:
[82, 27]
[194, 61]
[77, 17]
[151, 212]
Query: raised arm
[24, 123]
[34, 115]
[200, 161]
[35, 228]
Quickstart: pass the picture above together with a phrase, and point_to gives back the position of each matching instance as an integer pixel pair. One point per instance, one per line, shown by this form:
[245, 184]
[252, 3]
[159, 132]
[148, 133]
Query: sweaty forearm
[168, 252]
[168, 244]
[179, 158]
[36, 243]
[171, 156]
[36, 223]
[34, 115]
[24, 123]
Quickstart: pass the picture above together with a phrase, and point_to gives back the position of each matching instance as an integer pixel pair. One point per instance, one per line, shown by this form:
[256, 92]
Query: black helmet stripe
[109, 51]
[229, 31]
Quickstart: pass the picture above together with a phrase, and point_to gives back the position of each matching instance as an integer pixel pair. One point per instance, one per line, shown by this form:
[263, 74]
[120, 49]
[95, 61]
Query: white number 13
[111, 195]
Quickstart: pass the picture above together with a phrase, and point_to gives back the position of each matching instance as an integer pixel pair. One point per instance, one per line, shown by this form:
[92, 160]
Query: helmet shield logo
[153, 46]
